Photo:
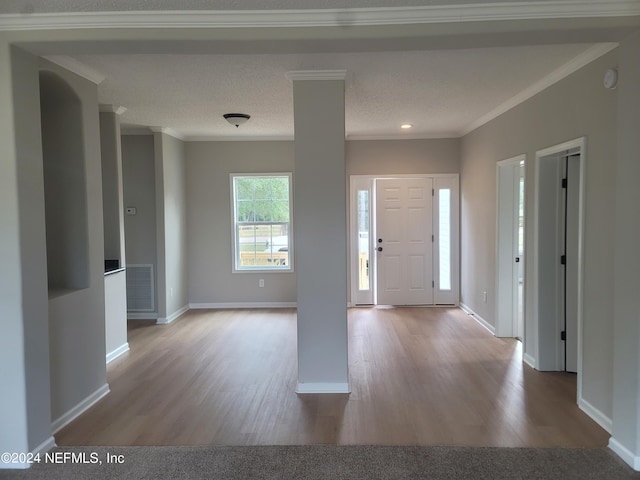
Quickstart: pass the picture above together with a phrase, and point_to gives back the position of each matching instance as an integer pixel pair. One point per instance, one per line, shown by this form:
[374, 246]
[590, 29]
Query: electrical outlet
[261, 283]
[484, 297]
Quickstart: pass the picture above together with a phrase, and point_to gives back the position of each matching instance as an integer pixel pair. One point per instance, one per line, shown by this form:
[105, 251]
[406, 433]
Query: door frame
[355, 182]
[535, 326]
[505, 324]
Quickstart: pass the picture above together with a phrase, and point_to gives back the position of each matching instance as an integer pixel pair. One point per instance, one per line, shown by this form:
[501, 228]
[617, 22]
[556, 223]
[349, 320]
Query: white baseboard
[596, 415]
[243, 305]
[625, 454]
[478, 318]
[172, 317]
[45, 446]
[529, 360]
[111, 356]
[142, 316]
[41, 449]
[79, 409]
[323, 388]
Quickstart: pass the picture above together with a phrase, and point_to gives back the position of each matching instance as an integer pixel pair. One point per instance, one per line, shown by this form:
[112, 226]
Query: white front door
[404, 241]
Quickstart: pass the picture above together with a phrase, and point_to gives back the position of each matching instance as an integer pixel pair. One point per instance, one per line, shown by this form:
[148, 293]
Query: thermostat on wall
[131, 210]
[611, 79]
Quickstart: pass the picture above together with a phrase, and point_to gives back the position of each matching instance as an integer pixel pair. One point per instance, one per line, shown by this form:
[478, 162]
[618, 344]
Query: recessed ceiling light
[406, 125]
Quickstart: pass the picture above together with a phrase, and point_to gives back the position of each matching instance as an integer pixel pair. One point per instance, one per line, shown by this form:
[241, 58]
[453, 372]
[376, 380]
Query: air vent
[140, 296]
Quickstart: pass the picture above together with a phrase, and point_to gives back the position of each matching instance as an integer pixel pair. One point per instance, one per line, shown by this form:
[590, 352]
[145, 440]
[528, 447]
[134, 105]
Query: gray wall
[395, 157]
[76, 319]
[171, 225]
[115, 287]
[64, 184]
[209, 219]
[388, 157]
[139, 191]
[209, 255]
[112, 186]
[626, 371]
[24, 348]
[574, 107]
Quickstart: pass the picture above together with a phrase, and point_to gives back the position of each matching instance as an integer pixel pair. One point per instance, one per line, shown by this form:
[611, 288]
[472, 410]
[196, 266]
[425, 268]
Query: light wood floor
[419, 376]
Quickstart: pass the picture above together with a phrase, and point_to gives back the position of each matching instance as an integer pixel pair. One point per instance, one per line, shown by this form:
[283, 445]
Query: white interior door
[519, 247]
[404, 241]
[510, 254]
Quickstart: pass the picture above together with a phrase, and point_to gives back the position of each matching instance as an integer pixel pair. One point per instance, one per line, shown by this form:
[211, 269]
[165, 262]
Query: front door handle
[379, 249]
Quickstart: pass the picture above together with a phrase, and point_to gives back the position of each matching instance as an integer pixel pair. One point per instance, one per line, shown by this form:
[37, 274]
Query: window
[261, 213]
[444, 238]
[363, 239]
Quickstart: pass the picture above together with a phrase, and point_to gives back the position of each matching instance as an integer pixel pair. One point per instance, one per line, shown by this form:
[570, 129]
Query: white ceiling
[444, 78]
[441, 92]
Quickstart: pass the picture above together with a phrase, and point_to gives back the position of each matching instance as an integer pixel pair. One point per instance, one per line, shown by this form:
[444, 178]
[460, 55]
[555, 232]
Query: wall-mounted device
[611, 79]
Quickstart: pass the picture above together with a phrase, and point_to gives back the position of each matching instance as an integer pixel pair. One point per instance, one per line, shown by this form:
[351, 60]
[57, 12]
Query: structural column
[320, 231]
[170, 225]
[625, 439]
[115, 286]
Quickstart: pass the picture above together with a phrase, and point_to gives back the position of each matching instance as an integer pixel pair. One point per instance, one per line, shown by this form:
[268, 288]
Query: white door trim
[504, 326]
[581, 144]
[355, 180]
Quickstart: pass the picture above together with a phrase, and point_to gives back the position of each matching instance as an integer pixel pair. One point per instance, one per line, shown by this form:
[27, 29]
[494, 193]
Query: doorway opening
[560, 180]
[510, 288]
[404, 240]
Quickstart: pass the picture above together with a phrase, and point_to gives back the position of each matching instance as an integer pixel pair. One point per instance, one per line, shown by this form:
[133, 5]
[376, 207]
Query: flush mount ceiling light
[406, 126]
[236, 119]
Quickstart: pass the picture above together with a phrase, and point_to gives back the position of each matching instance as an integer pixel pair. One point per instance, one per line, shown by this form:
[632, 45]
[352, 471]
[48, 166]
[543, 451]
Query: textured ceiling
[440, 92]
[394, 77]
[48, 6]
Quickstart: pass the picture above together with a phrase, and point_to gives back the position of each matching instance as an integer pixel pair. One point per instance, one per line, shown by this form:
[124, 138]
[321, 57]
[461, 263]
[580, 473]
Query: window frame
[235, 267]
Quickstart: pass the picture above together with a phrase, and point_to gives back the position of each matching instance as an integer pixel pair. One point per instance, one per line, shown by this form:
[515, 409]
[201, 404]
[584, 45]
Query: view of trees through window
[262, 222]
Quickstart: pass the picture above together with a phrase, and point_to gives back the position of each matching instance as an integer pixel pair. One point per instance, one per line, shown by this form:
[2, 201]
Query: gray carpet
[334, 463]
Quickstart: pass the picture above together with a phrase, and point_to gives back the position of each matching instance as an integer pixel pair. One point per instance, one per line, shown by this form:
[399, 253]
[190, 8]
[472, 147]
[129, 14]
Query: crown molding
[75, 66]
[323, 17]
[219, 138]
[316, 75]
[586, 57]
[415, 136]
[118, 110]
[168, 131]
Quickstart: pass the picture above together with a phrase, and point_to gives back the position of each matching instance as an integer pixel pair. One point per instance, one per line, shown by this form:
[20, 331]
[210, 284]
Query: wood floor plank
[419, 376]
